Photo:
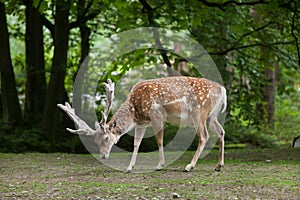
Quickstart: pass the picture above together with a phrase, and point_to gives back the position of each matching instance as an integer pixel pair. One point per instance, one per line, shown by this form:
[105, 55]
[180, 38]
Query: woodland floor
[248, 174]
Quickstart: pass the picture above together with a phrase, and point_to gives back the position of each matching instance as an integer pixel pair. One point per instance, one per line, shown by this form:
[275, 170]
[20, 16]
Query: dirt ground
[248, 174]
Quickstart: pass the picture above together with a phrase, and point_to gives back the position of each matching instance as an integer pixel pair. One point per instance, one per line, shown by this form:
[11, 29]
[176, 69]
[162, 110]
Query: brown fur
[196, 101]
[173, 99]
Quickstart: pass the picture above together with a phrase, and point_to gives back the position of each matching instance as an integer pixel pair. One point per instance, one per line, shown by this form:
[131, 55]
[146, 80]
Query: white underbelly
[180, 118]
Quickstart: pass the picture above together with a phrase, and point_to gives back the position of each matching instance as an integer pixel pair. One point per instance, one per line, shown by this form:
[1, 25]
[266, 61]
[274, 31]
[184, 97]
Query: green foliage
[243, 40]
[20, 140]
[287, 114]
[251, 135]
[41, 5]
[286, 125]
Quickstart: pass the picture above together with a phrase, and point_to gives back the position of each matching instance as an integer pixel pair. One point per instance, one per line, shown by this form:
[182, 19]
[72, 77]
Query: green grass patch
[248, 174]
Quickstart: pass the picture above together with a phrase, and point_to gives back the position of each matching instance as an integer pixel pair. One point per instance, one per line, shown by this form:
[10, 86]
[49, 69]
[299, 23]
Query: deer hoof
[129, 169]
[188, 168]
[218, 168]
[159, 167]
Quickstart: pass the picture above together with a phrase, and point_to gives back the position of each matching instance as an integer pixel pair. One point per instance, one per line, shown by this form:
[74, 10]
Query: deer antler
[110, 90]
[83, 128]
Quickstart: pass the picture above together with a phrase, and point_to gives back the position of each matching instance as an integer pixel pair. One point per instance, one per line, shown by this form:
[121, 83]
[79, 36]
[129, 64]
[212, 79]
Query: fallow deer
[150, 103]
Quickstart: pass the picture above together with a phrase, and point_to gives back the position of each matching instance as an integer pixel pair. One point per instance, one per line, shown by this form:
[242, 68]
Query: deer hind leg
[159, 140]
[203, 138]
[216, 127]
[139, 134]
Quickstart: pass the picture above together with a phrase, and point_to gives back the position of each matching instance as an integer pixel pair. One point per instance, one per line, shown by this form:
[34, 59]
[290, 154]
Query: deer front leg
[203, 138]
[138, 136]
[158, 128]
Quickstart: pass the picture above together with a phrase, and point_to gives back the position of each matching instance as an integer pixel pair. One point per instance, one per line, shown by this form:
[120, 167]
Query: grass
[246, 175]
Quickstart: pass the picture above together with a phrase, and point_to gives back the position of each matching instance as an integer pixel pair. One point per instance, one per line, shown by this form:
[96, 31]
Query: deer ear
[97, 125]
[117, 140]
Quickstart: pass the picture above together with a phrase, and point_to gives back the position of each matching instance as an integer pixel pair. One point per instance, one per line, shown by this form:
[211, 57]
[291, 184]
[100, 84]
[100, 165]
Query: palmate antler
[83, 128]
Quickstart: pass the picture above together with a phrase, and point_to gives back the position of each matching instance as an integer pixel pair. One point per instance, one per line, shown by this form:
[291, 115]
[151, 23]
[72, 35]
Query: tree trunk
[85, 48]
[56, 90]
[11, 107]
[1, 105]
[35, 69]
[269, 93]
[266, 108]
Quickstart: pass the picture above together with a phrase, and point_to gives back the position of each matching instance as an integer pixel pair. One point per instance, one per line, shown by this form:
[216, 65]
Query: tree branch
[248, 46]
[249, 33]
[290, 5]
[250, 3]
[295, 37]
[222, 53]
[86, 9]
[48, 25]
[150, 16]
[84, 19]
[236, 46]
[222, 6]
[148, 9]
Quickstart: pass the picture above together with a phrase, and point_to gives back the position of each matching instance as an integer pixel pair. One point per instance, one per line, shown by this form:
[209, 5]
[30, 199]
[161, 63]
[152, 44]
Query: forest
[253, 43]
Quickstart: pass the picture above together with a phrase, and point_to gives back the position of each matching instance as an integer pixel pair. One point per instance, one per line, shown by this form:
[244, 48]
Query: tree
[10, 103]
[60, 31]
[85, 33]
[249, 53]
[35, 68]
[56, 90]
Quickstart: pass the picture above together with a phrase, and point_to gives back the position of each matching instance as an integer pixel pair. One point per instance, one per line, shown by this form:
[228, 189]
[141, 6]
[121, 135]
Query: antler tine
[83, 128]
[110, 90]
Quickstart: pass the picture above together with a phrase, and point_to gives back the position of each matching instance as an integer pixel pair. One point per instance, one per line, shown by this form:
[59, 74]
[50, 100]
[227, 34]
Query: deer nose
[104, 156]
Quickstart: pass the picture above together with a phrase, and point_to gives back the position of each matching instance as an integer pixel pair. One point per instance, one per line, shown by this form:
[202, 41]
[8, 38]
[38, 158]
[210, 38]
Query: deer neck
[122, 121]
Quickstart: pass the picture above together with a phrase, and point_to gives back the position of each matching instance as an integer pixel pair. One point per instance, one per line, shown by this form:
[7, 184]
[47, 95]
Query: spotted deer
[198, 101]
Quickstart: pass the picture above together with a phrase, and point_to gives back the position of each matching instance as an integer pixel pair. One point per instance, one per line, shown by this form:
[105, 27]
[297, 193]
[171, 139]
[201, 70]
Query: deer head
[103, 130]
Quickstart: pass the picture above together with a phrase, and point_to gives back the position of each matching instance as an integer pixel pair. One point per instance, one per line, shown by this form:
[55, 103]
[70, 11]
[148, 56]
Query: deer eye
[106, 138]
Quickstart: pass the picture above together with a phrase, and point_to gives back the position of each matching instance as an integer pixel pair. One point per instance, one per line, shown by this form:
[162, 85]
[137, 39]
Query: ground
[248, 174]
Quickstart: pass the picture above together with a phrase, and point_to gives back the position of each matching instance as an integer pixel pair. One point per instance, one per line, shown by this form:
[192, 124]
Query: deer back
[174, 97]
